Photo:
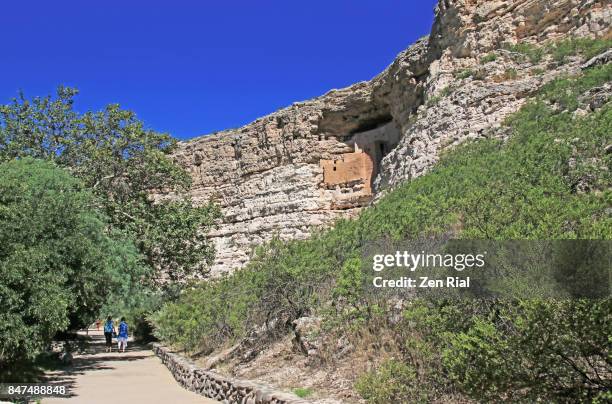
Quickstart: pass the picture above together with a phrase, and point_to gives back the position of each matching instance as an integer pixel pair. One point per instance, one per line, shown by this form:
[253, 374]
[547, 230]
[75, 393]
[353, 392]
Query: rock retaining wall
[218, 387]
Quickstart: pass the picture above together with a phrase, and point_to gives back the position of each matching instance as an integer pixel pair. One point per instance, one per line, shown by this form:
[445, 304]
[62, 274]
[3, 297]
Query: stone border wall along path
[218, 387]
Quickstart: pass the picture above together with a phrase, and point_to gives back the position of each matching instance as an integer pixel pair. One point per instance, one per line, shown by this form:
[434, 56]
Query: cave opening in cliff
[372, 123]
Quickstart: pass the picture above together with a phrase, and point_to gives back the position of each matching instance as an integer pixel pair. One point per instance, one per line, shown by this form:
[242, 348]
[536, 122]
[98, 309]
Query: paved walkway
[136, 376]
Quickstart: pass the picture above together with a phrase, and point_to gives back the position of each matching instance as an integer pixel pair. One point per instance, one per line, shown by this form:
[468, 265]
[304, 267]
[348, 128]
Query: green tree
[534, 350]
[58, 259]
[583, 267]
[123, 163]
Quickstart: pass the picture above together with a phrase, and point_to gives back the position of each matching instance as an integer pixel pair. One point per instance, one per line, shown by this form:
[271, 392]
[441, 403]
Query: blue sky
[194, 67]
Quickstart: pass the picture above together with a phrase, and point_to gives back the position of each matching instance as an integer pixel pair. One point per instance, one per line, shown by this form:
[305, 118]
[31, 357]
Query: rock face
[316, 161]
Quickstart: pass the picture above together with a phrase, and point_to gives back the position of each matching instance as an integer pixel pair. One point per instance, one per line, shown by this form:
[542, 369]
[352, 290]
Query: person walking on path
[122, 335]
[109, 330]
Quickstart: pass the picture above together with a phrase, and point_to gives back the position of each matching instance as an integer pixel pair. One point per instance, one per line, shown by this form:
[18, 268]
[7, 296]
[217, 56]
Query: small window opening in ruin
[377, 152]
[381, 149]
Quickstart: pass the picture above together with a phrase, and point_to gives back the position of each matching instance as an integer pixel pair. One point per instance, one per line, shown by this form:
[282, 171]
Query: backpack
[123, 330]
[108, 326]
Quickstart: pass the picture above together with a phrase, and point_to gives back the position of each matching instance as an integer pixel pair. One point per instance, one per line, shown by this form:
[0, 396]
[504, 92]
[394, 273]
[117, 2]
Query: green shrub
[565, 92]
[488, 58]
[533, 351]
[393, 382]
[303, 392]
[479, 74]
[206, 315]
[433, 100]
[443, 93]
[464, 74]
[510, 74]
[349, 283]
[58, 261]
[280, 284]
[585, 47]
[533, 53]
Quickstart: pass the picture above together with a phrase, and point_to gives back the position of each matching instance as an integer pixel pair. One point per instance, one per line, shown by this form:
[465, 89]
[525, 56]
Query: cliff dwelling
[351, 174]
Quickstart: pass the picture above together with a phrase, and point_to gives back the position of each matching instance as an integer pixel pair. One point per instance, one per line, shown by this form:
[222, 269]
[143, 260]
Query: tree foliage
[123, 163]
[58, 260]
[533, 350]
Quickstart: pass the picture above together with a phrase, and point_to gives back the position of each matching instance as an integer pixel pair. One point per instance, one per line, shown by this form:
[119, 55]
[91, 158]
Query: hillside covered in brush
[547, 177]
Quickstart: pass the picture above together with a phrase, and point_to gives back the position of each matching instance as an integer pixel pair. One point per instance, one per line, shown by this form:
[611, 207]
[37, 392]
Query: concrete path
[136, 376]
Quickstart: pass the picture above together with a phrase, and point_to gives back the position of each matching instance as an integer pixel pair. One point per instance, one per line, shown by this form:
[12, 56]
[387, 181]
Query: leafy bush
[205, 316]
[393, 382]
[488, 58]
[58, 262]
[303, 392]
[433, 100]
[349, 283]
[478, 74]
[533, 351]
[528, 51]
[586, 47]
[510, 74]
[279, 285]
[566, 92]
[464, 74]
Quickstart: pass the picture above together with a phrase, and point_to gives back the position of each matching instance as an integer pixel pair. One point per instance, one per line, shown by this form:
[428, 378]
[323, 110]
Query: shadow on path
[94, 358]
[133, 376]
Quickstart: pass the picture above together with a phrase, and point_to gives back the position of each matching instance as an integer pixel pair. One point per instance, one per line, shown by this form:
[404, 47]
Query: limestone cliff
[316, 161]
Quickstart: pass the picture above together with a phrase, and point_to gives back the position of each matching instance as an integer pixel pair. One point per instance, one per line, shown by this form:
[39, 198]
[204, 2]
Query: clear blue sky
[194, 67]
